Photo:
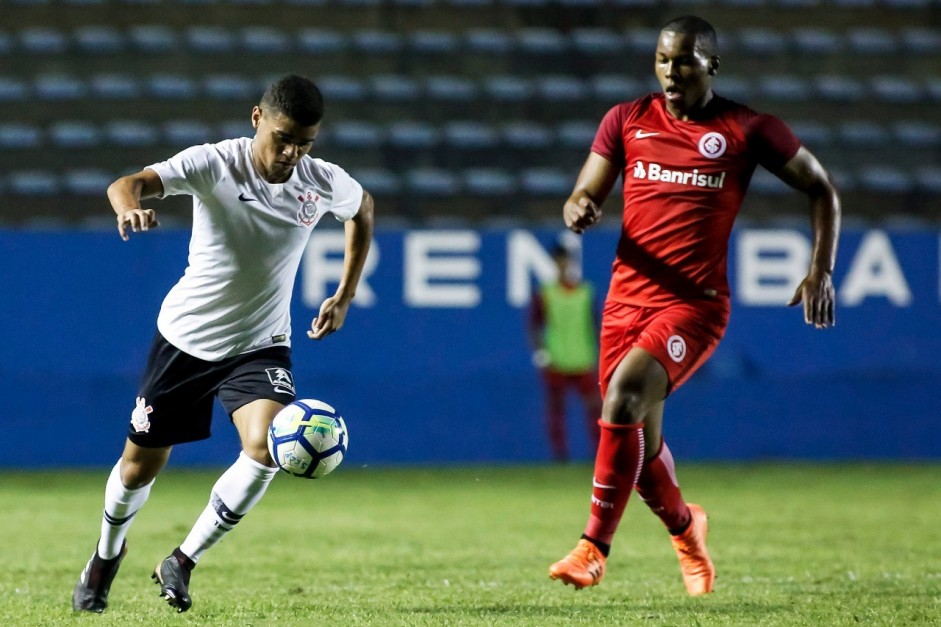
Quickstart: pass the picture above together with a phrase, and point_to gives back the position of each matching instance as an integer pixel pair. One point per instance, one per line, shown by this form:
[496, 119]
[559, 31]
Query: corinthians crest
[308, 211]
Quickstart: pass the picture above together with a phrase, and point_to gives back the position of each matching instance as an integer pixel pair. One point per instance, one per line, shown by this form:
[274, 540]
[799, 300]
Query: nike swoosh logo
[245, 198]
[596, 484]
[643, 134]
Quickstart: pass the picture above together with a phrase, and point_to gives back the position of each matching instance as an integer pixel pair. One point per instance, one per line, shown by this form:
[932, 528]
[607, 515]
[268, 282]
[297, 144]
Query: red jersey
[684, 182]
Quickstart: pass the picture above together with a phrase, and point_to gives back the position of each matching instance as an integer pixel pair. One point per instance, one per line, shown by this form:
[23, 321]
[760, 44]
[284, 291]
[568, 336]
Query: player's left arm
[536, 330]
[805, 173]
[358, 231]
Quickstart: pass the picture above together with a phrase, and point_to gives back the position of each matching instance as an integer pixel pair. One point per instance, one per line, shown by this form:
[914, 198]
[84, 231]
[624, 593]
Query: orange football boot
[583, 567]
[698, 572]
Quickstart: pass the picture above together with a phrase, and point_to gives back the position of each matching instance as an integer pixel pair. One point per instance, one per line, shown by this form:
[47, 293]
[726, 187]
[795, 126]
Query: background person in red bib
[686, 156]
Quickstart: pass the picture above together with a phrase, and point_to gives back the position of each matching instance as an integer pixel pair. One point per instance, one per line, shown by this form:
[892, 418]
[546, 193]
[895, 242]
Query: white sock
[235, 493]
[120, 506]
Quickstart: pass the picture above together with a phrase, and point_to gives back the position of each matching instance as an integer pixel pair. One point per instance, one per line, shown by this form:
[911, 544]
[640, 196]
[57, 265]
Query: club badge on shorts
[281, 380]
[139, 419]
[676, 348]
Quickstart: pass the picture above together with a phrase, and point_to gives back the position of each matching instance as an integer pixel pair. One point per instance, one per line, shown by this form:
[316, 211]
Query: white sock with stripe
[234, 494]
[121, 504]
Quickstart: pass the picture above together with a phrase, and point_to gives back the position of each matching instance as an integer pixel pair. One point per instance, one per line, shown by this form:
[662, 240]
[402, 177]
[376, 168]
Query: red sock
[617, 465]
[659, 489]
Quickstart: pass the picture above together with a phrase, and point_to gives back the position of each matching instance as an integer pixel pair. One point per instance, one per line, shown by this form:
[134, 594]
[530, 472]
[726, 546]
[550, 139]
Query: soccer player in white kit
[224, 329]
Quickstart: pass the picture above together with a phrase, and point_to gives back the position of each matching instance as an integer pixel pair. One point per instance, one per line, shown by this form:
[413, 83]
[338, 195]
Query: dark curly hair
[295, 97]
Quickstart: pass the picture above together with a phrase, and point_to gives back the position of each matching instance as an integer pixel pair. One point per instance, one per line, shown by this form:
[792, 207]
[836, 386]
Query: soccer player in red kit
[686, 156]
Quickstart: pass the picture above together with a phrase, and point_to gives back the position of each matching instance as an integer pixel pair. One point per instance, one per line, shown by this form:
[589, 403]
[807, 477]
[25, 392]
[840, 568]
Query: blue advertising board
[433, 365]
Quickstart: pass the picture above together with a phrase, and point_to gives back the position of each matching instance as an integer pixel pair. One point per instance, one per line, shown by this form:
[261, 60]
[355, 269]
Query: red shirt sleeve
[772, 141]
[609, 140]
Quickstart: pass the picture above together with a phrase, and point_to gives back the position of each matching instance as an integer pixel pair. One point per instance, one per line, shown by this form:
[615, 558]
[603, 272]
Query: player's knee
[623, 407]
[259, 453]
[141, 465]
[135, 474]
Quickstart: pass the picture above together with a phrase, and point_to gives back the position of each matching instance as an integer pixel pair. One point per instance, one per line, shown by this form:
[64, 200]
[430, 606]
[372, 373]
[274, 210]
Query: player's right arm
[583, 207]
[125, 195]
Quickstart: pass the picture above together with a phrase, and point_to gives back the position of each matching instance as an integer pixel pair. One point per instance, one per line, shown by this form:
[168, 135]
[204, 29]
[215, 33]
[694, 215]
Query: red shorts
[681, 336]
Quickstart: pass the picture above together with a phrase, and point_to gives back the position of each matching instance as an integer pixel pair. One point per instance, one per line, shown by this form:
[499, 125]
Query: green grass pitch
[794, 544]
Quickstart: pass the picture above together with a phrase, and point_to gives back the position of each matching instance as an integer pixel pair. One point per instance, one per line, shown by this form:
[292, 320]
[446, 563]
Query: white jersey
[247, 242]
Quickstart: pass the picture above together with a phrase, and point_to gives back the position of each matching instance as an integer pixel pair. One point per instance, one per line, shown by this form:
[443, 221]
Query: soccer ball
[307, 438]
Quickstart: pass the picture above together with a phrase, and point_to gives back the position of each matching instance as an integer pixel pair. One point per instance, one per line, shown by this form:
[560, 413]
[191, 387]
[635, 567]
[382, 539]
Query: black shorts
[174, 404]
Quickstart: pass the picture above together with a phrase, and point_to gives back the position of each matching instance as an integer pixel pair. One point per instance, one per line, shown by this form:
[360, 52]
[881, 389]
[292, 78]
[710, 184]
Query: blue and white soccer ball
[307, 438]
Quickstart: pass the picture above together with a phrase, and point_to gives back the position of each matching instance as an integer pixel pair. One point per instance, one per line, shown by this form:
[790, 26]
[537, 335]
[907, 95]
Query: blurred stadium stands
[468, 109]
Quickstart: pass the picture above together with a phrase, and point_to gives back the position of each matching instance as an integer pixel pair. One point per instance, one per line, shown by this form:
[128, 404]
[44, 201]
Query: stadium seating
[59, 87]
[885, 179]
[131, 133]
[526, 135]
[43, 41]
[547, 181]
[19, 135]
[379, 181]
[917, 134]
[115, 86]
[87, 182]
[489, 182]
[32, 183]
[816, 40]
[458, 101]
[928, 179]
[99, 40]
[919, 40]
[432, 181]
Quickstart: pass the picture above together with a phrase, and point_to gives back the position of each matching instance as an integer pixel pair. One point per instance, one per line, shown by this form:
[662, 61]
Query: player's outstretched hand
[331, 317]
[819, 298]
[136, 220]
[580, 214]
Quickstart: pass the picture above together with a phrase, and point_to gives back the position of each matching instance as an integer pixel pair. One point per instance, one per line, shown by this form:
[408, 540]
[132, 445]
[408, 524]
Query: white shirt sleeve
[193, 171]
[347, 194]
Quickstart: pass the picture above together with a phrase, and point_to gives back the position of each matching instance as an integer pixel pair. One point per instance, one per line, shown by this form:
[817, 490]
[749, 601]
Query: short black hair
[705, 34]
[295, 97]
[559, 250]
